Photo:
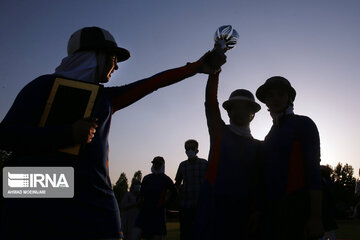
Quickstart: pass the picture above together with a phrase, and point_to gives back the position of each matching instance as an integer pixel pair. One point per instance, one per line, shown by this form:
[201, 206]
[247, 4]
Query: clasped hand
[84, 130]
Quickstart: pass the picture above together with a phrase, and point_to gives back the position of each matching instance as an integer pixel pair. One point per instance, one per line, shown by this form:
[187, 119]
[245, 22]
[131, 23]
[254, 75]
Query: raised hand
[212, 61]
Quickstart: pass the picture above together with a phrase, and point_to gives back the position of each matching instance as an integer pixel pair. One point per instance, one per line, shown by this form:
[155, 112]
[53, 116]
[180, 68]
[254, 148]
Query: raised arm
[212, 110]
[215, 124]
[125, 95]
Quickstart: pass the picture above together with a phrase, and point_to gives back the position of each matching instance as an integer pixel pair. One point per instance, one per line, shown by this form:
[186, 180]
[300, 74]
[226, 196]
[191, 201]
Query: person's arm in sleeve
[310, 143]
[311, 153]
[125, 95]
[212, 110]
[214, 123]
[179, 176]
[173, 192]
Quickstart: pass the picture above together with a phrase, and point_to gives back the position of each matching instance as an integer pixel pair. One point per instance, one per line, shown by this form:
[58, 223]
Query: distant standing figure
[291, 156]
[357, 198]
[191, 173]
[130, 210]
[153, 195]
[328, 203]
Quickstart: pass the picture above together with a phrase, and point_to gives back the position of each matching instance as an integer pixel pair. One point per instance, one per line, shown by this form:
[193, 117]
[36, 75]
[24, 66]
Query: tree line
[342, 176]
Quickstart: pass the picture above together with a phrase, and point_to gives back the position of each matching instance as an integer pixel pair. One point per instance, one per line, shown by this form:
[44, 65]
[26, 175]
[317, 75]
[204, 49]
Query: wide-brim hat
[98, 39]
[242, 95]
[275, 82]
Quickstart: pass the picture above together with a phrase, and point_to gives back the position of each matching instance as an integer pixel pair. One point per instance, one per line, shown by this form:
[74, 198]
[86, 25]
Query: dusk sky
[313, 43]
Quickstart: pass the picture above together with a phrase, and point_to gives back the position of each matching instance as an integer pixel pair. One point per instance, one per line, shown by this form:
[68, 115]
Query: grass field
[348, 230]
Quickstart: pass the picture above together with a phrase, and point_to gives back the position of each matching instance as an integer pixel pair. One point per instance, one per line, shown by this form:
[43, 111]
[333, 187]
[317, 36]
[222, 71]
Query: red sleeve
[212, 110]
[215, 124]
[125, 95]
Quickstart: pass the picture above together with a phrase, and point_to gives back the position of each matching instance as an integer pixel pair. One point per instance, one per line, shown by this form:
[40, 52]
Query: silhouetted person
[189, 178]
[93, 56]
[227, 207]
[291, 156]
[157, 189]
[130, 210]
[357, 198]
[328, 204]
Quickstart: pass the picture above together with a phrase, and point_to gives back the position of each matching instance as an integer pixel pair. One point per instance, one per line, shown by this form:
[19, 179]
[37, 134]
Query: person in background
[130, 210]
[229, 204]
[157, 190]
[189, 178]
[291, 157]
[328, 203]
[93, 212]
[357, 198]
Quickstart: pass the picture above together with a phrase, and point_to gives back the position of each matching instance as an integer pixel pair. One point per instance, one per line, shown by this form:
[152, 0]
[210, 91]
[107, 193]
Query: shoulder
[305, 127]
[44, 79]
[183, 164]
[34, 93]
[163, 176]
[39, 83]
[147, 177]
[302, 118]
[168, 179]
[304, 121]
[203, 161]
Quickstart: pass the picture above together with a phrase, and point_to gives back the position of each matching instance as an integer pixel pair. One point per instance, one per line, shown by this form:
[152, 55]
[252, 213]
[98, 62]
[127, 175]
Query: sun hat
[242, 95]
[95, 38]
[276, 81]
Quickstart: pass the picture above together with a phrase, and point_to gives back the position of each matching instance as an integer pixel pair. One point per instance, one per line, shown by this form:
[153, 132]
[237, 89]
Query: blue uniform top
[291, 153]
[93, 212]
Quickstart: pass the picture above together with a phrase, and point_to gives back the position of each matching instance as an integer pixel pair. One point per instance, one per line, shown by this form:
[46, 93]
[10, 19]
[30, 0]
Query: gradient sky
[315, 44]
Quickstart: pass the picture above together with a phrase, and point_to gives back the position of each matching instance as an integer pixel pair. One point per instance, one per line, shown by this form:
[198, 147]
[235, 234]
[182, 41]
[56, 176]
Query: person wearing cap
[93, 56]
[189, 178]
[228, 207]
[154, 198]
[291, 157]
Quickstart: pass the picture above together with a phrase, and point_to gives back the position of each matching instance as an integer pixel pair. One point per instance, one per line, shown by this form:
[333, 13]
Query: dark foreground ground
[349, 229]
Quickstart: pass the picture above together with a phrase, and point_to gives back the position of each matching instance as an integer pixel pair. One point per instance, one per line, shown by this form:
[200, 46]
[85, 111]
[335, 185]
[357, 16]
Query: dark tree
[121, 187]
[137, 177]
[344, 185]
